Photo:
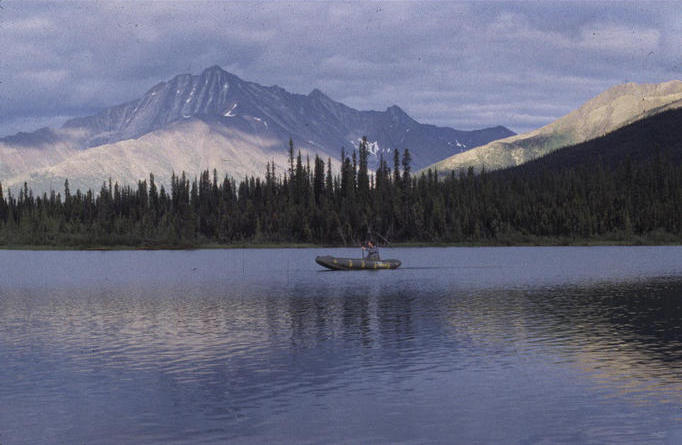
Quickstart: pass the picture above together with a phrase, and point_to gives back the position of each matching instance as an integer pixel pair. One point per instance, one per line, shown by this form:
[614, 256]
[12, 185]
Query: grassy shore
[239, 245]
[535, 242]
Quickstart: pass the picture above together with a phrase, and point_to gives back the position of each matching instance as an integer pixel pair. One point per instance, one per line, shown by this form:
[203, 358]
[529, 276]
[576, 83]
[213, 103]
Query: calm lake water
[480, 345]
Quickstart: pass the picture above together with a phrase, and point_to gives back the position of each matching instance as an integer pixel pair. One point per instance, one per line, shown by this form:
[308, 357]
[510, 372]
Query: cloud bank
[464, 65]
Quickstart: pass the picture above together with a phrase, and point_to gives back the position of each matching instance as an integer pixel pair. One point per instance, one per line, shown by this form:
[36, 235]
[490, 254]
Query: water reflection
[627, 335]
[620, 324]
[342, 356]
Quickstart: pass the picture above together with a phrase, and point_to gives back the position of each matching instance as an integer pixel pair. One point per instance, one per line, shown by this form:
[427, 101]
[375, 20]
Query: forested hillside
[623, 187]
[611, 110]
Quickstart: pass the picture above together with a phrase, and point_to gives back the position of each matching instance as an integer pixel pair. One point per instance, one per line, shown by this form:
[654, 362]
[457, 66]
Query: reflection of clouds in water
[243, 337]
[133, 321]
[188, 332]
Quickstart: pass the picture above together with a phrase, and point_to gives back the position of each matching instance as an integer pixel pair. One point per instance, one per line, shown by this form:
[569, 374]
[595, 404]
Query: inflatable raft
[336, 263]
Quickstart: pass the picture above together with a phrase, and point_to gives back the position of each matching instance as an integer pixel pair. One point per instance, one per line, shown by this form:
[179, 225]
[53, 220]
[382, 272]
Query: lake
[459, 345]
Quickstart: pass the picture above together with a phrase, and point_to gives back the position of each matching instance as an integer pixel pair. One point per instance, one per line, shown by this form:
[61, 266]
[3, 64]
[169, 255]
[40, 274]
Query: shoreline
[291, 245]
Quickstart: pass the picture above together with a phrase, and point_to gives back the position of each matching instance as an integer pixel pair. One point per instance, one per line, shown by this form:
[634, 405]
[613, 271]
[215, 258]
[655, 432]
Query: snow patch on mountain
[229, 113]
[457, 144]
[372, 146]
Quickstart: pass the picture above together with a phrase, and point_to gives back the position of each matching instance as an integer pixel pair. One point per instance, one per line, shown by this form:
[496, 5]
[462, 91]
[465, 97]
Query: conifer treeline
[309, 203]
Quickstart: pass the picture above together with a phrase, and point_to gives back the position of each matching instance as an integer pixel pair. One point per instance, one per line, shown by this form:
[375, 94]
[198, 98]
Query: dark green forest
[624, 187]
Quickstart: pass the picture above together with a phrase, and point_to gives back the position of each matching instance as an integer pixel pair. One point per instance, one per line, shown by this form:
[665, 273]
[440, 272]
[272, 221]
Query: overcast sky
[463, 65]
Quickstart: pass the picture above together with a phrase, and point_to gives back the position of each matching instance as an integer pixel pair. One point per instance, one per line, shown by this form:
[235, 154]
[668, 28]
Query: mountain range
[216, 120]
[613, 109]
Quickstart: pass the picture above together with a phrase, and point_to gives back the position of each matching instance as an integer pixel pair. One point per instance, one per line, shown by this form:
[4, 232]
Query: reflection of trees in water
[626, 334]
[641, 315]
[235, 348]
[252, 343]
[366, 316]
[623, 334]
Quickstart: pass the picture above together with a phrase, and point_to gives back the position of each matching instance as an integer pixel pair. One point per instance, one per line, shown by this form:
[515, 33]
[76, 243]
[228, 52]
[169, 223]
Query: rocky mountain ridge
[244, 124]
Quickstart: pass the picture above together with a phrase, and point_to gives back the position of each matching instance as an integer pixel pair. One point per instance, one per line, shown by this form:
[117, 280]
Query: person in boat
[372, 251]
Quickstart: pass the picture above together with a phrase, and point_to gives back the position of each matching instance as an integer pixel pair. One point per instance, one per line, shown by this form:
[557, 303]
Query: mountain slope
[247, 122]
[613, 109]
[192, 144]
[644, 140]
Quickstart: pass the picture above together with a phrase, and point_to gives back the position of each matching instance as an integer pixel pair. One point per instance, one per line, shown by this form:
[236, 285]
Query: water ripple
[245, 350]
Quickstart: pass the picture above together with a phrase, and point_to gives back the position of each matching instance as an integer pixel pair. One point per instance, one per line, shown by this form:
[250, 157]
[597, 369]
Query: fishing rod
[380, 236]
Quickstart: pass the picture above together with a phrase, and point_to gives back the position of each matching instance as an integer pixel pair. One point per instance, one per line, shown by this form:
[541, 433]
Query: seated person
[372, 252]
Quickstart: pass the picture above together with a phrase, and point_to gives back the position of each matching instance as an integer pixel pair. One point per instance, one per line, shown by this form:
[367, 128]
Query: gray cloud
[465, 65]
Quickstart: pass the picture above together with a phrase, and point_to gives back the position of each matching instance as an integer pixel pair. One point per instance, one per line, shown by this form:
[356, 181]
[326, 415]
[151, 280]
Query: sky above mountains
[463, 65]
